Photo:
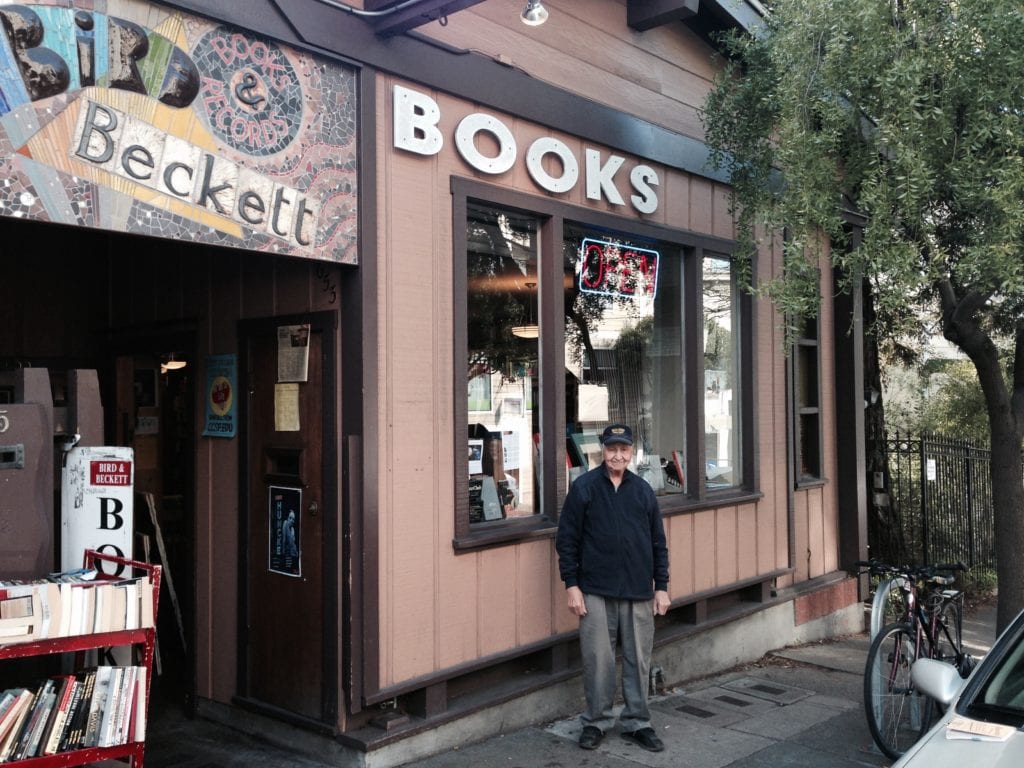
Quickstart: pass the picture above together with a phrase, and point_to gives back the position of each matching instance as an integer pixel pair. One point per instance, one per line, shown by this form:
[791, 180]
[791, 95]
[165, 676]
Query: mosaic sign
[135, 118]
[249, 90]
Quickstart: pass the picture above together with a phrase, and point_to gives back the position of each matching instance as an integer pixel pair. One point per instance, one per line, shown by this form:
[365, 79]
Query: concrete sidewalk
[797, 707]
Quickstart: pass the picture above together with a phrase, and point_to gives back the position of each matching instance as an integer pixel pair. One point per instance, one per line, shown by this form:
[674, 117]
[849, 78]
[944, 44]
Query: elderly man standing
[613, 558]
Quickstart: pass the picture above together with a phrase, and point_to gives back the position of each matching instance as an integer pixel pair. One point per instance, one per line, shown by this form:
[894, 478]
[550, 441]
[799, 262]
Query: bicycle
[931, 627]
[888, 604]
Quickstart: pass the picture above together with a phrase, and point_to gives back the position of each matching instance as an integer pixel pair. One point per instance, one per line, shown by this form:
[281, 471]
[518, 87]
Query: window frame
[806, 353]
[552, 216]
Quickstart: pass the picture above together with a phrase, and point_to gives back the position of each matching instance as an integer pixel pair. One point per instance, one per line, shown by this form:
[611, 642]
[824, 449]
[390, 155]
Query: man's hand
[661, 603]
[577, 605]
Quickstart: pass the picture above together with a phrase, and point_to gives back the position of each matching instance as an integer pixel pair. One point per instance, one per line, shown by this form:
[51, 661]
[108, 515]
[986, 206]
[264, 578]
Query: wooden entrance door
[285, 664]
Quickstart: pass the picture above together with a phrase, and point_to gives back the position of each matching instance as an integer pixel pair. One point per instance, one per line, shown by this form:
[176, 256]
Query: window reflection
[721, 374]
[627, 313]
[624, 352]
[503, 329]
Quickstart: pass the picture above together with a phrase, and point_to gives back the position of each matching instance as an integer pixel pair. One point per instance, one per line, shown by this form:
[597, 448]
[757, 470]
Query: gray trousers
[630, 622]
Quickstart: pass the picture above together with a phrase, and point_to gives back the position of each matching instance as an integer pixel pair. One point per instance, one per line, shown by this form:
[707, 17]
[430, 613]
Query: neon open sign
[613, 269]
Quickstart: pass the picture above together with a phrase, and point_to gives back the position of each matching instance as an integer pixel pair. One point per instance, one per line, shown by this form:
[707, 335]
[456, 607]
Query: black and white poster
[285, 528]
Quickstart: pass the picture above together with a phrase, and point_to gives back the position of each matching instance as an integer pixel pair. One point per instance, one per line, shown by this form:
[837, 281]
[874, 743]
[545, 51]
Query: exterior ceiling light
[534, 14]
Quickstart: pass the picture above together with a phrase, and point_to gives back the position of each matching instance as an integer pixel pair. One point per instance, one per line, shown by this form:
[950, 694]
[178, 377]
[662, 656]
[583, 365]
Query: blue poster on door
[285, 532]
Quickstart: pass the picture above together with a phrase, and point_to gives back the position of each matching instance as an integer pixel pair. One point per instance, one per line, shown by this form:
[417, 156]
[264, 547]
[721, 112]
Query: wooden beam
[416, 15]
[648, 14]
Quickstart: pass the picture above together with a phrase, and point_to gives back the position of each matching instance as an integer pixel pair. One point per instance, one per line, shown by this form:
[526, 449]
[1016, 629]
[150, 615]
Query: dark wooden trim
[693, 371]
[416, 15]
[851, 450]
[332, 693]
[553, 215]
[552, 364]
[460, 354]
[642, 15]
[284, 716]
[499, 534]
[335, 34]
[362, 384]
[749, 431]
[545, 206]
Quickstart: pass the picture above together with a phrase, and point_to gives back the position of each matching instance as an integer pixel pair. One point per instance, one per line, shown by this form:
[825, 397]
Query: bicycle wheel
[897, 714]
[889, 604]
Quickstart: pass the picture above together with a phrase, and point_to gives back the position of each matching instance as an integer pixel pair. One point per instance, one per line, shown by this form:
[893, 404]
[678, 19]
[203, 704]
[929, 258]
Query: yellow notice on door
[286, 407]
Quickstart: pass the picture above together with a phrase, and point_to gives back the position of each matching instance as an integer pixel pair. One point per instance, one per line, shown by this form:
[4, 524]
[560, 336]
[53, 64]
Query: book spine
[77, 730]
[138, 726]
[60, 745]
[101, 689]
[46, 710]
[11, 740]
[21, 740]
[108, 716]
[35, 722]
[51, 737]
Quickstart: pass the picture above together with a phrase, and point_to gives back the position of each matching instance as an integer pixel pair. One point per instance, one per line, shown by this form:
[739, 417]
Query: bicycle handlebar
[927, 572]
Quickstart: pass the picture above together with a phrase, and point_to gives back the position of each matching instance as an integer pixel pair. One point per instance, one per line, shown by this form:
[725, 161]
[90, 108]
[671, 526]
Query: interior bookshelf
[139, 635]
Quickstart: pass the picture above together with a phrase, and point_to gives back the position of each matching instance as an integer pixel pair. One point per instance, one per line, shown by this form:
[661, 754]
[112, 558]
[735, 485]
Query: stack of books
[102, 706]
[73, 603]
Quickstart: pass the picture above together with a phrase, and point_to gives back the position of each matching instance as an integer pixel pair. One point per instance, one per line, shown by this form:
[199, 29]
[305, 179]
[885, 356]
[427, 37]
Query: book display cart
[142, 639]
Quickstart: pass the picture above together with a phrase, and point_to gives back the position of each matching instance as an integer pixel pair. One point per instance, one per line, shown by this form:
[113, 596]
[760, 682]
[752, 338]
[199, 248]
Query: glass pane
[807, 382]
[623, 352]
[502, 330]
[721, 374]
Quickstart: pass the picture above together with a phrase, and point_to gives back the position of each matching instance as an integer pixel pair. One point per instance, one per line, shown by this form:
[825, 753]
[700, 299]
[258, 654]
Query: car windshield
[1001, 696]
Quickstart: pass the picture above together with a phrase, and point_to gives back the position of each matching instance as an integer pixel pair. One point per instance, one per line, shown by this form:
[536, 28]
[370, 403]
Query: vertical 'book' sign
[97, 487]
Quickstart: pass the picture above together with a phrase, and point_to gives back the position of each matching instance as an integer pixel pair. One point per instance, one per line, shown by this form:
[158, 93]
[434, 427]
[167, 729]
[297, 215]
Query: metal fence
[939, 494]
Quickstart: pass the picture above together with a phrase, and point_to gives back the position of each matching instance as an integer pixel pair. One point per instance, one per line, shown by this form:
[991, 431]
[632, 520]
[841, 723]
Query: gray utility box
[33, 436]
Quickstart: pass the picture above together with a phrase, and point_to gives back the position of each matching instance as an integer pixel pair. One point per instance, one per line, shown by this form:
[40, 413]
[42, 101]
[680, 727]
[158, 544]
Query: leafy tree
[939, 397]
[911, 113]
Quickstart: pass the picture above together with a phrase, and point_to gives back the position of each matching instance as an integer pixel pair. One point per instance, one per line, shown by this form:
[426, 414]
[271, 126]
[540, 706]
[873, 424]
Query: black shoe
[591, 737]
[646, 738]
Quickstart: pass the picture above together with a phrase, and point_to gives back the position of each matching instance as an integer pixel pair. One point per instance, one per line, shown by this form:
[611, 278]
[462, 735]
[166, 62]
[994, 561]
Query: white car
[984, 715]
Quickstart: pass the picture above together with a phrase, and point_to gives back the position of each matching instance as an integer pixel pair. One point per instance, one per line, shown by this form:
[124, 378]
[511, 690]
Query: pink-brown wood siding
[438, 609]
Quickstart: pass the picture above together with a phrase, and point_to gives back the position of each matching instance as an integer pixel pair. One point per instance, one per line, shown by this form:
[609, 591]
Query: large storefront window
[624, 352]
[569, 324]
[501, 371]
[721, 375]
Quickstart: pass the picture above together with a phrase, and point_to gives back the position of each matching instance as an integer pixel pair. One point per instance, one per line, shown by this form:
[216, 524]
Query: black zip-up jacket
[612, 542]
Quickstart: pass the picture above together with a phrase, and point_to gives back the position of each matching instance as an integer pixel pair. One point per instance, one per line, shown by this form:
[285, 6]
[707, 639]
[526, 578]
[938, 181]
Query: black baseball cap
[617, 433]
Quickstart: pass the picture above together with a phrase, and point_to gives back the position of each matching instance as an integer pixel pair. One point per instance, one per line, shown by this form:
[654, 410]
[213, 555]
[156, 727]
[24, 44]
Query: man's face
[617, 455]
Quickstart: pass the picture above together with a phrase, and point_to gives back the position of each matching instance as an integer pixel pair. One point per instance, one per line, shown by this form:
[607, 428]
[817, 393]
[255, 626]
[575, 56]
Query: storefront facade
[381, 240]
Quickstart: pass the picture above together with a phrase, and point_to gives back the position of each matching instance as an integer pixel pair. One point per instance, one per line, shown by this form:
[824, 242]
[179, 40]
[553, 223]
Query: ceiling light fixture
[531, 330]
[534, 14]
[172, 364]
[526, 331]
